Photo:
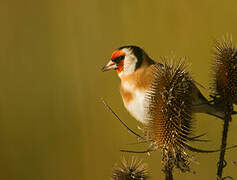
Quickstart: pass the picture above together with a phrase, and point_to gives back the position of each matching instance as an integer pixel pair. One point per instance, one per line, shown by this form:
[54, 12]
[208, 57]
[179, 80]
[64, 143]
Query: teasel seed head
[169, 105]
[225, 69]
[133, 170]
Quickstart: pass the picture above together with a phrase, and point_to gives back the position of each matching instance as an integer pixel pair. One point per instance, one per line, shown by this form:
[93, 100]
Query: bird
[135, 69]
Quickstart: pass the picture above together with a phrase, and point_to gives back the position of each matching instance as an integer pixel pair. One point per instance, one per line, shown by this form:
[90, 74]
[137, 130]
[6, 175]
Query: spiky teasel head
[225, 69]
[133, 170]
[169, 105]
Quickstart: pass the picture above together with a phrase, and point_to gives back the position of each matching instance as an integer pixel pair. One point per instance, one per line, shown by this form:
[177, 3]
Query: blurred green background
[52, 123]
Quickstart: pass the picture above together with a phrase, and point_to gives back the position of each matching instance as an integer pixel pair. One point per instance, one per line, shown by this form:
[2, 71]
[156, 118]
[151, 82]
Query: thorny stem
[168, 174]
[227, 119]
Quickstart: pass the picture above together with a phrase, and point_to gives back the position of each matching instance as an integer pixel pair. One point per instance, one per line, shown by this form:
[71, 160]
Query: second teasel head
[169, 105]
[133, 169]
[225, 69]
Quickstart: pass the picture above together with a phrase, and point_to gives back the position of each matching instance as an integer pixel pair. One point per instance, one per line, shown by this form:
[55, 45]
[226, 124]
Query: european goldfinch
[135, 69]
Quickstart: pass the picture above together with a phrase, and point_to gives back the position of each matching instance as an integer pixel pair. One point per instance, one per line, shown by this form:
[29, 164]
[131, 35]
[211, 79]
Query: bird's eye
[118, 59]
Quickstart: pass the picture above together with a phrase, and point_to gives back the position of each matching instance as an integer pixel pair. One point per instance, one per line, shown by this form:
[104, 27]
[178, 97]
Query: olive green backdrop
[52, 123]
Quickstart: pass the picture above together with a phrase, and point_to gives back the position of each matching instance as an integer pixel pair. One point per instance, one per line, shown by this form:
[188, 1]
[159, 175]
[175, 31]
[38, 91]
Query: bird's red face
[116, 62]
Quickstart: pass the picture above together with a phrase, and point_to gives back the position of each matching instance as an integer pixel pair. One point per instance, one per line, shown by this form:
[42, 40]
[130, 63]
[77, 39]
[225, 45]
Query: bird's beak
[110, 65]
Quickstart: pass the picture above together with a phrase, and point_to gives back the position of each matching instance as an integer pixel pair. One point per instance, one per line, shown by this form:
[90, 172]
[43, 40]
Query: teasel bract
[130, 170]
[169, 105]
[225, 69]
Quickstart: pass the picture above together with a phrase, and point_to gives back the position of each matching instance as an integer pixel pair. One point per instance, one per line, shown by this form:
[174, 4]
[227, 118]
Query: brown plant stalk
[225, 82]
[227, 120]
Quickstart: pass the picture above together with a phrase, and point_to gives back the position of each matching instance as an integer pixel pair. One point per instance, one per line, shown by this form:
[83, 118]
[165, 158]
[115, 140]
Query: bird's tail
[209, 109]
[202, 105]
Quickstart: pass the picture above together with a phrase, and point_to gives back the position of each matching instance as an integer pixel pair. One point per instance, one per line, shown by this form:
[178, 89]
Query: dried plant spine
[130, 170]
[169, 106]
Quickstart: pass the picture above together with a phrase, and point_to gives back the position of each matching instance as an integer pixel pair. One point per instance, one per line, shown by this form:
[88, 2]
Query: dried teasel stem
[168, 173]
[227, 119]
[130, 170]
[225, 81]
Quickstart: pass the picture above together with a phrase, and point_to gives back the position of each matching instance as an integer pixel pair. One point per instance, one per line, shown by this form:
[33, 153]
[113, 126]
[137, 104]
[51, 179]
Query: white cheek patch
[130, 62]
